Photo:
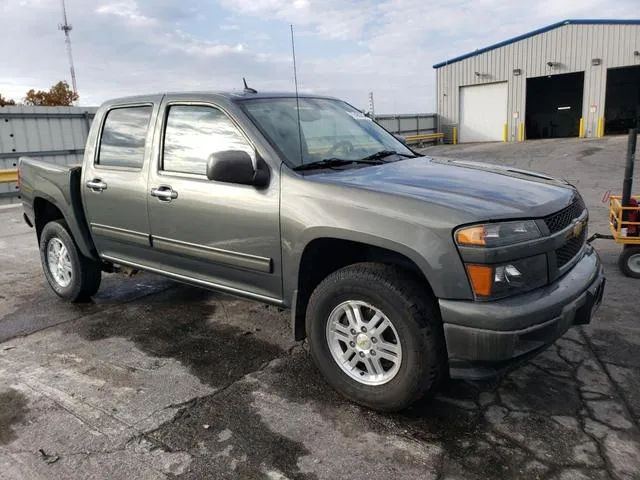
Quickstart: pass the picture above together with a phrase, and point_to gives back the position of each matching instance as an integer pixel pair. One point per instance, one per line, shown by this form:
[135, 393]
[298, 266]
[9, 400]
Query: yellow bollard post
[505, 133]
[600, 123]
[581, 128]
[455, 135]
[521, 132]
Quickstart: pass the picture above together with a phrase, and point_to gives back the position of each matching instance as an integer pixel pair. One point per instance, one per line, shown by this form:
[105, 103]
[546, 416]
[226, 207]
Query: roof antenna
[295, 79]
[248, 89]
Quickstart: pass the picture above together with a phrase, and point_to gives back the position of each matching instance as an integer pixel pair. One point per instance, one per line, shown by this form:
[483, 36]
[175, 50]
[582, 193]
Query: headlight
[497, 234]
[498, 281]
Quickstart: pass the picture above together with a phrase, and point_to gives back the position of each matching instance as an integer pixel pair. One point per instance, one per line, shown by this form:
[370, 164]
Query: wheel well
[323, 256]
[44, 212]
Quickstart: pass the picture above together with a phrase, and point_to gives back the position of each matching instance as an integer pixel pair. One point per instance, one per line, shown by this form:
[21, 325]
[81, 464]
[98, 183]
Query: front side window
[123, 137]
[328, 129]
[193, 133]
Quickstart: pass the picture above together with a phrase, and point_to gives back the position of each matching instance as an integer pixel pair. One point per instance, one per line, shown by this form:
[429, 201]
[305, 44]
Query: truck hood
[482, 191]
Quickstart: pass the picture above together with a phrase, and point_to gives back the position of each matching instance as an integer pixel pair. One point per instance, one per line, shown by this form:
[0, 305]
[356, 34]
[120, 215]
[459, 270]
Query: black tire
[85, 273]
[629, 261]
[415, 317]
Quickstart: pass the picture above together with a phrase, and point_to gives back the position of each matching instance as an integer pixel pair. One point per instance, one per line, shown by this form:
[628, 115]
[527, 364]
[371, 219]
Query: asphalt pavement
[155, 379]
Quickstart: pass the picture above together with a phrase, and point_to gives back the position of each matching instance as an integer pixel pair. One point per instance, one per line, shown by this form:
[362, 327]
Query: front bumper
[486, 338]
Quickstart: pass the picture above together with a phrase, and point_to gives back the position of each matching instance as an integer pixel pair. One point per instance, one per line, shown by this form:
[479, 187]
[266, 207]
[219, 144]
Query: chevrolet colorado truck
[400, 270]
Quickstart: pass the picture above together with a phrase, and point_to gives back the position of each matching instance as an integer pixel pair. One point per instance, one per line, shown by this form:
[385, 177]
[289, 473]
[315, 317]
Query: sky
[343, 48]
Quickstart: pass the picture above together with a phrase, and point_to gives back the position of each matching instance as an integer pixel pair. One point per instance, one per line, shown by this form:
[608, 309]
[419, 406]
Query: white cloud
[345, 49]
[210, 49]
[180, 41]
[127, 10]
[273, 58]
[258, 36]
[553, 9]
[334, 19]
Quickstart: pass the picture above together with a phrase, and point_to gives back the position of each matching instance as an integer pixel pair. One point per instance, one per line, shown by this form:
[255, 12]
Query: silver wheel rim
[633, 262]
[364, 342]
[59, 262]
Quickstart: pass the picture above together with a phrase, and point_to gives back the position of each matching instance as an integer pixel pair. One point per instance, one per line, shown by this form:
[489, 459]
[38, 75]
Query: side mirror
[235, 166]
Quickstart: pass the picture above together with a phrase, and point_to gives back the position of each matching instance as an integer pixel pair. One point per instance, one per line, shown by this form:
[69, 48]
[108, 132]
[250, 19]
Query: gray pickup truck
[399, 269]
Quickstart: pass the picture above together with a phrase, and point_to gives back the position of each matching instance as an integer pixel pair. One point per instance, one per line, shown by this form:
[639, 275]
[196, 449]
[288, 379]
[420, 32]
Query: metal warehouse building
[573, 78]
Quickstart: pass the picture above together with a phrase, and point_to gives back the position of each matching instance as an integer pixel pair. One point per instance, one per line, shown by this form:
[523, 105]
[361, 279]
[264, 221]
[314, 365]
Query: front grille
[564, 217]
[570, 249]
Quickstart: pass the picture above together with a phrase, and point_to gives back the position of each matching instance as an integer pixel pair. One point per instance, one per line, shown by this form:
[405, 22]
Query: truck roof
[219, 95]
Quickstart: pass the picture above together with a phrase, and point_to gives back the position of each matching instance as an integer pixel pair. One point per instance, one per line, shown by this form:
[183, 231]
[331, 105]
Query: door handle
[96, 185]
[164, 193]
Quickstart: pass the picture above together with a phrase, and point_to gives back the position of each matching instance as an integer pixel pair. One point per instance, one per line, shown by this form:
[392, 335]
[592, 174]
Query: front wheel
[629, 261]
[376, 335]
[70, 275]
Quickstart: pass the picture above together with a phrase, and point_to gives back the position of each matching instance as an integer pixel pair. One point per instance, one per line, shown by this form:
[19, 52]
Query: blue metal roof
[537, 32]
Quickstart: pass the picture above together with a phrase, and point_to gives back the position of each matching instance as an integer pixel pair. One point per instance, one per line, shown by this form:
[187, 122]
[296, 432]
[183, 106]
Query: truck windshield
[329, 129]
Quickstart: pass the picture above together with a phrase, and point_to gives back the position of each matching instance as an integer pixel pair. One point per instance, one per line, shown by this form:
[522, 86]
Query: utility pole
[66, 28]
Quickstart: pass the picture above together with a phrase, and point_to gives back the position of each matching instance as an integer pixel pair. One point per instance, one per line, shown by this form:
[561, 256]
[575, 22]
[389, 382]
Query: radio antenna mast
[295, 80]
[66, 28]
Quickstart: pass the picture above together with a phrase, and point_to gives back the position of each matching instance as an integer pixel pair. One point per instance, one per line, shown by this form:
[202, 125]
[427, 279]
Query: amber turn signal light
[481, 277]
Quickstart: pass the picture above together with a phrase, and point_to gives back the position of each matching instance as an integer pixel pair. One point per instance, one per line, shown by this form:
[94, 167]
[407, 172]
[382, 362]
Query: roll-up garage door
[483, 112]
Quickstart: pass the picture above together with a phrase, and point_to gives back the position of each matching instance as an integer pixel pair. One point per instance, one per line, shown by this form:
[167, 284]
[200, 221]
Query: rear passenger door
[114, 184]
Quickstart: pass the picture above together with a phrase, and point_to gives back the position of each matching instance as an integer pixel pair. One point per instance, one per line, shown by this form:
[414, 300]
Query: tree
[6, 101]
[58, 95]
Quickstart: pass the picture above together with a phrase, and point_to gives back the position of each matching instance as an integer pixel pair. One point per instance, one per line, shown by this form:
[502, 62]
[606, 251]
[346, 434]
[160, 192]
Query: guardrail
[424, 138]
[8, 176]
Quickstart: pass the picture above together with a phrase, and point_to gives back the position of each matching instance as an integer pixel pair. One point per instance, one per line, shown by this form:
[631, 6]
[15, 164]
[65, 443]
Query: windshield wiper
[386, 153]
[335, 162]
[373, 159]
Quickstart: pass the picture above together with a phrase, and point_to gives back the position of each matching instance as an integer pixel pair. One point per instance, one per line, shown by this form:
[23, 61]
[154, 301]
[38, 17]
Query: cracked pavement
[159, 380]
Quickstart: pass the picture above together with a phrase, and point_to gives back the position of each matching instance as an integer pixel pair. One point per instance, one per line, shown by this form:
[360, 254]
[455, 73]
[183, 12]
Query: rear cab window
[124, 135]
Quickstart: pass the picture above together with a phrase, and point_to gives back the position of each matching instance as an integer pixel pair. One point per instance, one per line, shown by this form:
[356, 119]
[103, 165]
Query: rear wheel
[629, 261]
[376, 336]
[70, 275]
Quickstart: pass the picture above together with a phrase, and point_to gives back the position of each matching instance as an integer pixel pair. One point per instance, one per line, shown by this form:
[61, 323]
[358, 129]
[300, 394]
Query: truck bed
[46, 185]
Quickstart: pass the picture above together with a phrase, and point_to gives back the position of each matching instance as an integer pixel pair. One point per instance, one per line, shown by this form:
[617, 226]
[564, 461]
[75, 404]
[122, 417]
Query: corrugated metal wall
[51, 134]
[571, 46]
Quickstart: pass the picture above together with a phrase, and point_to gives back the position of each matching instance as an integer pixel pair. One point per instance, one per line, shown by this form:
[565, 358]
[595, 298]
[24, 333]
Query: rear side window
[193, 133]
[123, 137]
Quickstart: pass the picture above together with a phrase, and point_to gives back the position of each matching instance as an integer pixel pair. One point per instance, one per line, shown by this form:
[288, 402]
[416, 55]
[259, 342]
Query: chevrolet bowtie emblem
[577, 229]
